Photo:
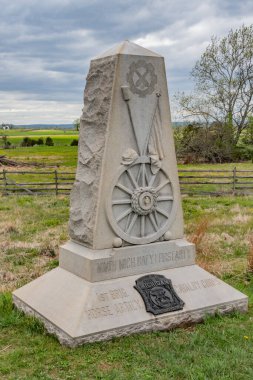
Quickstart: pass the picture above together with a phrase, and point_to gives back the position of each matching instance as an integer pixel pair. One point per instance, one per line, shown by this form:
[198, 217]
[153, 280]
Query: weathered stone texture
[94, 120]
[159, 323]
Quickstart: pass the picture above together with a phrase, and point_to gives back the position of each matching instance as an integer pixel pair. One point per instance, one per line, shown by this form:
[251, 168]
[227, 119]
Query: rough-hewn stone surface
[84, 195]
[160, 323]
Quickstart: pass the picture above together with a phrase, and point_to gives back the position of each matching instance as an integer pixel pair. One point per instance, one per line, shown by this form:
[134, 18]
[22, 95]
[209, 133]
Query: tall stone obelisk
[126, 154]
[127, 267]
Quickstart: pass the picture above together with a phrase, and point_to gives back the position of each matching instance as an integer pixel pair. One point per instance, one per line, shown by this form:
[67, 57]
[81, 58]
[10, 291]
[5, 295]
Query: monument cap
[128, 48]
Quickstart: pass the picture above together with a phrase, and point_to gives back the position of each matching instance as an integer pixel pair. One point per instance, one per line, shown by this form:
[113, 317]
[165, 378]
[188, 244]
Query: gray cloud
[46, 45]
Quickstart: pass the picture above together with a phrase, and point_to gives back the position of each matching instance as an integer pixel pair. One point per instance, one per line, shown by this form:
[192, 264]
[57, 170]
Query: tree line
[219, 112]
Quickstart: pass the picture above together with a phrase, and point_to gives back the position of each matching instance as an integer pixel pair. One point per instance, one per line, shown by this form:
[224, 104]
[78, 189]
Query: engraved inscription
[196, 285]
[99, 312]
[106, 267]
[103, 297]
[118, 293]
[110, 307]
[112, 294]
[125, 307]
[117, 301]
[142, 261]
[172, 256]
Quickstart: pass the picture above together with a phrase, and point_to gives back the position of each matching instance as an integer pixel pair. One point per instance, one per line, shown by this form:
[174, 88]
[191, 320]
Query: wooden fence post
[56, 182]
[5, 182]
[234, 179]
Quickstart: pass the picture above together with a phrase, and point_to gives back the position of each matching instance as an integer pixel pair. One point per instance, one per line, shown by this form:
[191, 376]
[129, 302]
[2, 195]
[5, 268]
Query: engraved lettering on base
[158, 294]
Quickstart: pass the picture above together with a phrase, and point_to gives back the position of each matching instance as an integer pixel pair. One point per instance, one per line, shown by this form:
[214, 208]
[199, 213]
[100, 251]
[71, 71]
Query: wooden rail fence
[192, 182]
[36, 182]
[216, 182]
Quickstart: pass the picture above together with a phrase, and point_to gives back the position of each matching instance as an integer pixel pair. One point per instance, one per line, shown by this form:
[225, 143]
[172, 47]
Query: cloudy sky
[46, 46]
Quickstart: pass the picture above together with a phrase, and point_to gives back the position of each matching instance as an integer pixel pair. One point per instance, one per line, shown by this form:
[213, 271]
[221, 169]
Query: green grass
[31, 230]
[247, 165]
[38, 132]
[60, 137]
[58, 140]
[220, 348]
[215, 181]
[60, 155]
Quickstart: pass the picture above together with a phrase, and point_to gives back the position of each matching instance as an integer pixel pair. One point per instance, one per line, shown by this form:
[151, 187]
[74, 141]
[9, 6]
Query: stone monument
[127, 267]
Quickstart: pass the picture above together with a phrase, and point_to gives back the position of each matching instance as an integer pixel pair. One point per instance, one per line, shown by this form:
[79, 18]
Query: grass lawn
[31, 230]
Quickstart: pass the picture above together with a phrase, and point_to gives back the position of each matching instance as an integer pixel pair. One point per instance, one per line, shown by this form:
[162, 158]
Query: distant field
[63, 155]
[57, 139]
[60, 155]
[38, 132]
[60, 137]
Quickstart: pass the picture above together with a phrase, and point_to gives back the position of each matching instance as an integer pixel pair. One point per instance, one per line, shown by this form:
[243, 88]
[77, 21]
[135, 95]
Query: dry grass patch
[221, 268]
[250, 255]
[200, 231]
[221, 241]
[32, 228]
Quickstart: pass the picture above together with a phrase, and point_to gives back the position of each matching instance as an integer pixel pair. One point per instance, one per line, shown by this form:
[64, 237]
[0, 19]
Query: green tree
[223, 79]
[6, 143]
[76, 124]
[49, 141]
[248, 135]
[74, 142]
[198, 143]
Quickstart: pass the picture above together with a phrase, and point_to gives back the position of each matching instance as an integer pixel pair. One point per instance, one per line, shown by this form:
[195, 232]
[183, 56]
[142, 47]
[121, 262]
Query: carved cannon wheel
[141, 207]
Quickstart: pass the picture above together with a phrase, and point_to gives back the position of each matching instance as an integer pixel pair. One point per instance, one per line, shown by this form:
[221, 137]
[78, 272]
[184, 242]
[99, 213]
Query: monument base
[78, 311]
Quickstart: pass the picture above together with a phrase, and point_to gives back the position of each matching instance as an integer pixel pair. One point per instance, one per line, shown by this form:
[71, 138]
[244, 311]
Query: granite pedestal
[90, 299]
